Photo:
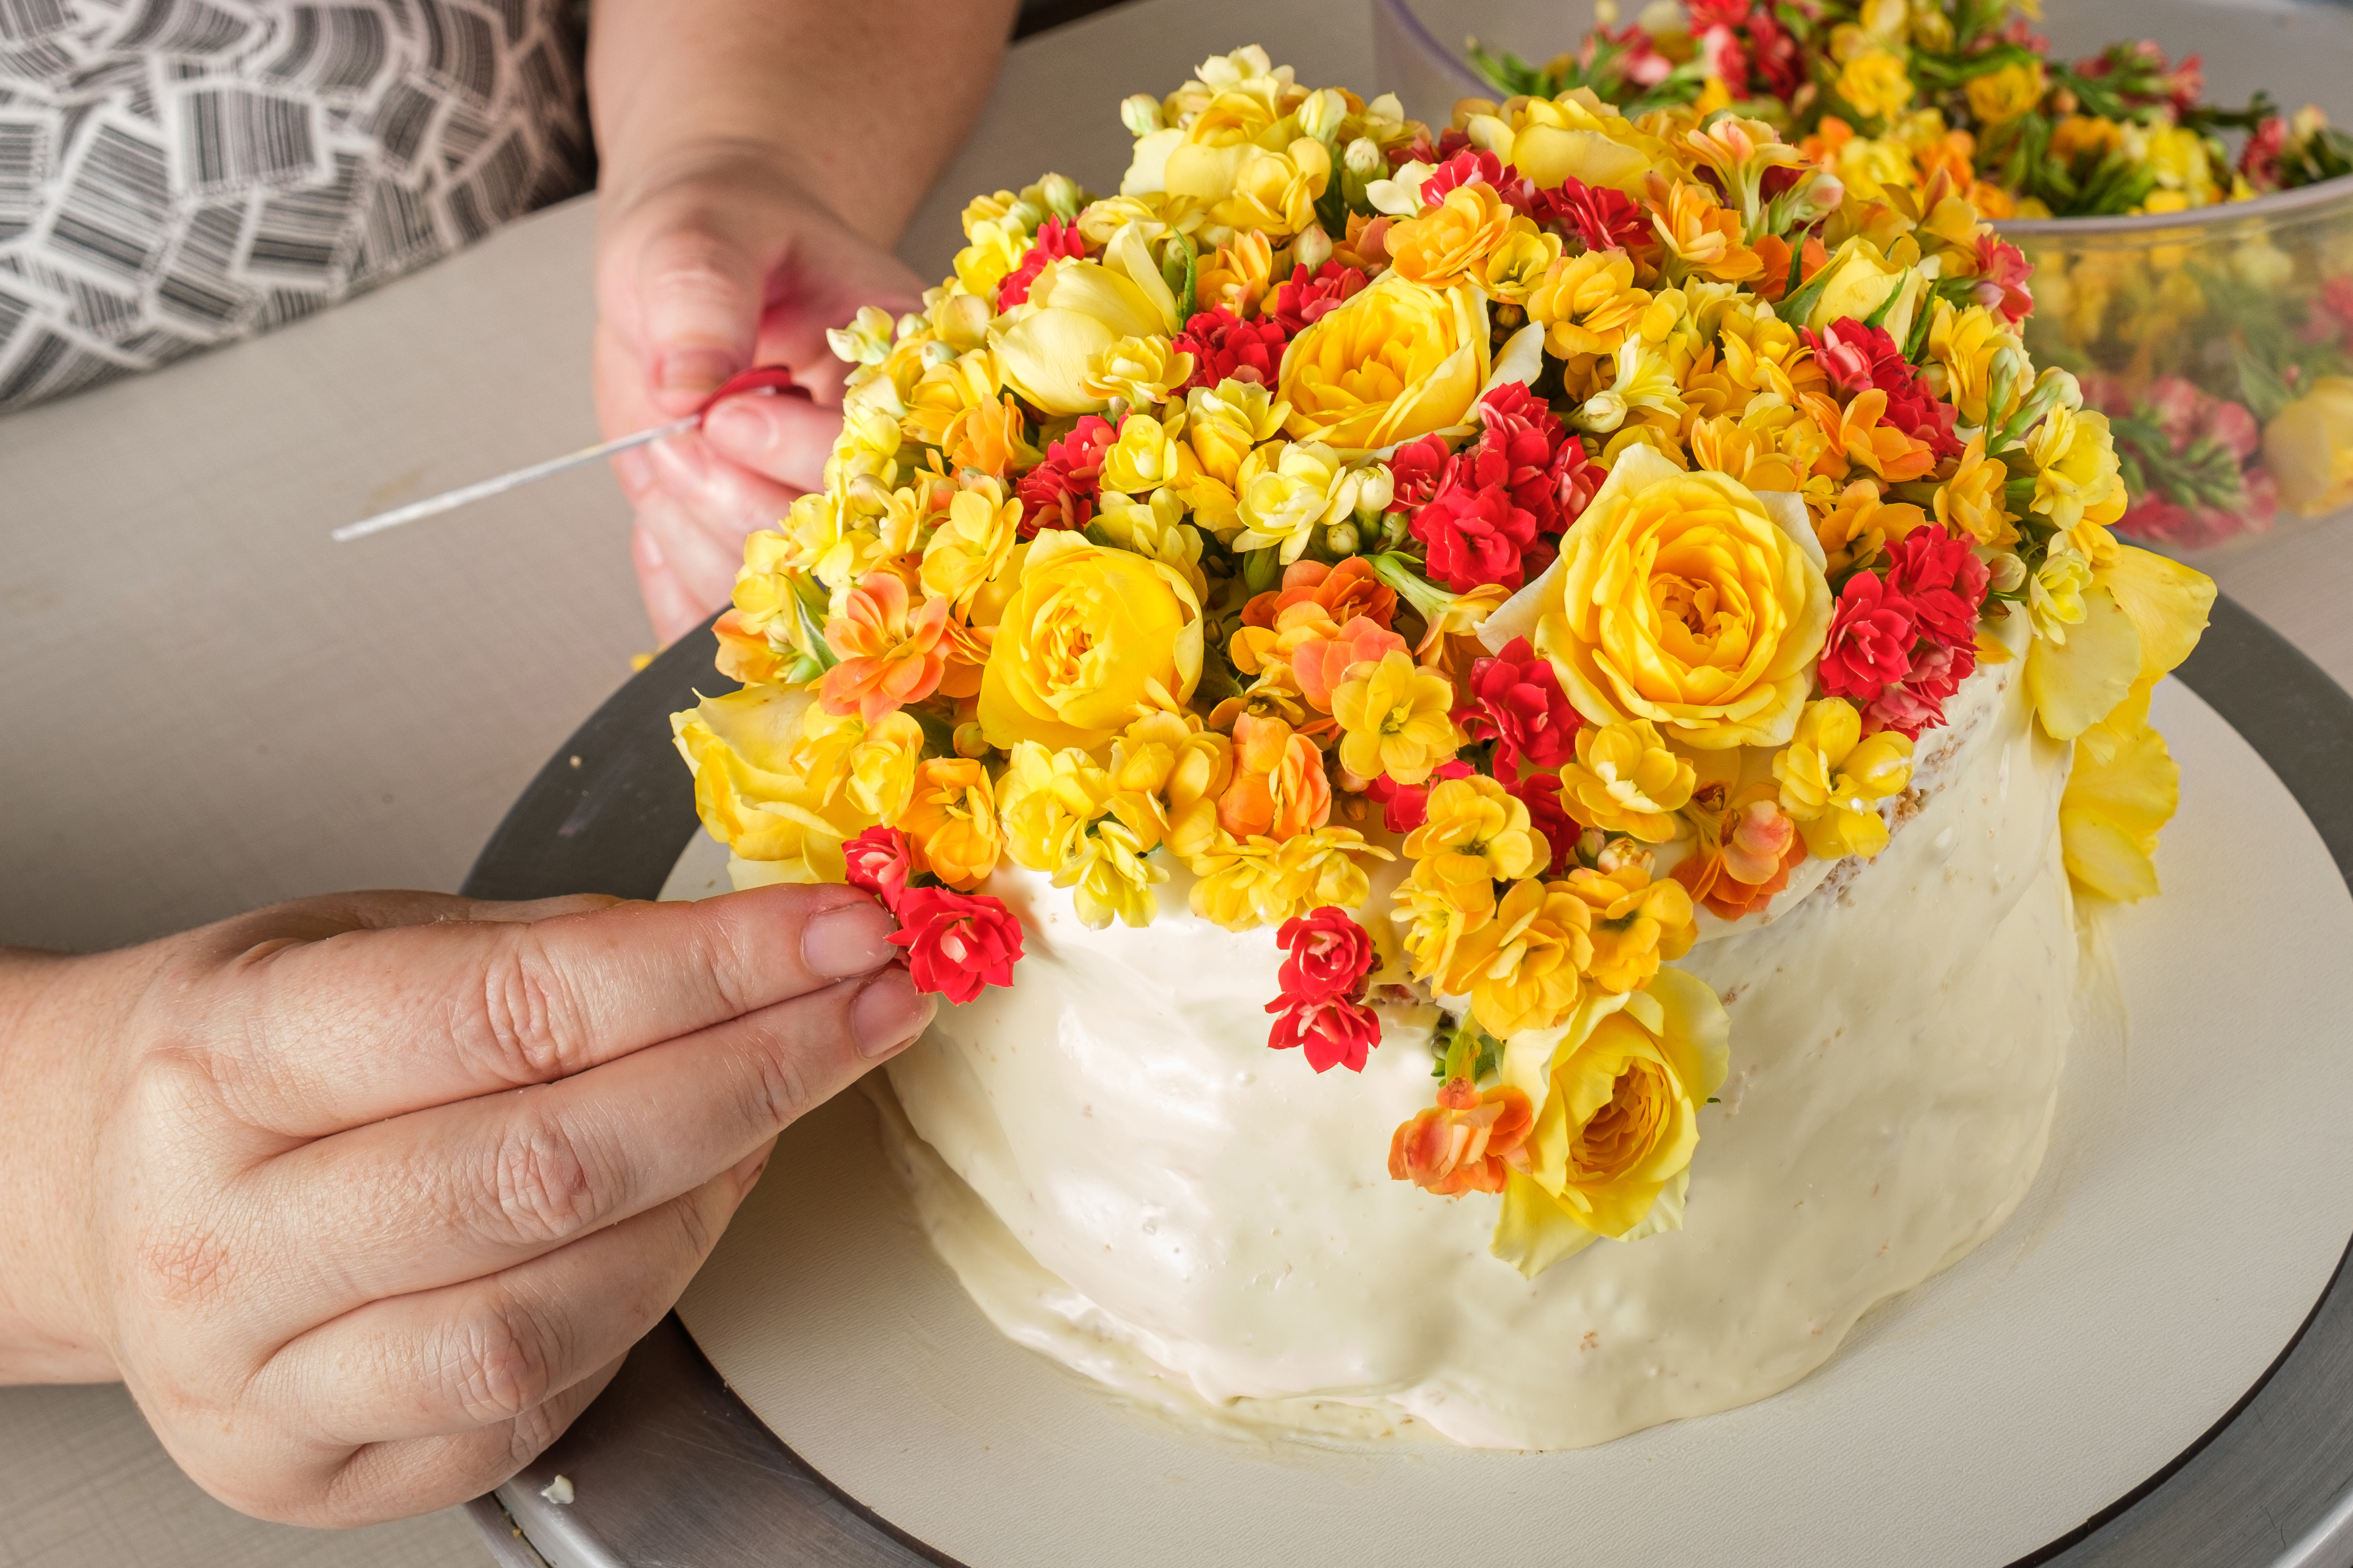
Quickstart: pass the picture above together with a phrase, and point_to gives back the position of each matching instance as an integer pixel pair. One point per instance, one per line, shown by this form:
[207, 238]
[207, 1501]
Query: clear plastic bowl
[2216, 340]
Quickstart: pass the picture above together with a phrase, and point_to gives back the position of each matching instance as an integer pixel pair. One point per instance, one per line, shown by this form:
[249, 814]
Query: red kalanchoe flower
[1416, 470]
[1054, 240]
[2002, 272]
[1516, 450]
[1335, 1031]
[1226, 348]
[1062, 491]
[1310, 297]
[2260, 161]
[1773, 55]
[1520, 706]
[1917, 701]
[1870, 641]
[1540, 793]
[1943, 580]
[1330, 955]
[1422, 149]
[1474, 533]
[1603, 219]
[957, 943]
[1858, 358]
[1473, 167]
[879, 861]
[1404, 807]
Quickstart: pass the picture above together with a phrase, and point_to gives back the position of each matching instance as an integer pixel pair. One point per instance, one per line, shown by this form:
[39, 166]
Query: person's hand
[375, 1191]
[707, 265]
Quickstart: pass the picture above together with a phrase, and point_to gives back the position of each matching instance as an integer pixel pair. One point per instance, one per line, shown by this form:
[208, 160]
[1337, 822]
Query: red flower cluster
[1226, 348]
[1404, 807]
[1520, 706]
[1320, 1009]
[1060, 493]
[956, 942]
[1858, 358]
[1422, 149]
[1055, 240]
[1747, 48]
[1497, 505]
[1310, 297]
[1473, 167]
[1900, 645]
[1594, 216]
[1540, 793]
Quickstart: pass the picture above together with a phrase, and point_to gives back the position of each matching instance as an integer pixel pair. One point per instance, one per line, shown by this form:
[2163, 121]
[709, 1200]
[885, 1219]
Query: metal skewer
[773, 379]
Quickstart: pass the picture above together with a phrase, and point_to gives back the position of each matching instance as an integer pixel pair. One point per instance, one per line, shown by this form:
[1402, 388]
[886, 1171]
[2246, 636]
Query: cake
[1492, 736]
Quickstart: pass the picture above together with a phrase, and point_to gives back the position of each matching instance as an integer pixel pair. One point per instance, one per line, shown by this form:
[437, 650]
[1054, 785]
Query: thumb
[700, 296]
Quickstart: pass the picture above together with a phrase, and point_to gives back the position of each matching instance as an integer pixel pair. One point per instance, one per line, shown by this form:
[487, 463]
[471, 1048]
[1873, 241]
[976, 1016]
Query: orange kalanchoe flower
[1343, 592]
[1859, 437]
[951, 822]
[1322, 663]
[1746, 857]
[1279, 788]
[1464, 1143]
[888, 658]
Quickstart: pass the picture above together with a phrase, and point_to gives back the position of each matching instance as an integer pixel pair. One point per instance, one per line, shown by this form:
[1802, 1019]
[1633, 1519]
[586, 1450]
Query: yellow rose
[1626, 780]
[750, 795]
[1859, 281]
[1137, 371]
[1558, 138]
[1048, 349]
[2309, 448]
[1394, 363]
[1088, 638]
[2125, 787]
[1616, 1122]
[1874, 82]
[1678, 599]
[1999, 97]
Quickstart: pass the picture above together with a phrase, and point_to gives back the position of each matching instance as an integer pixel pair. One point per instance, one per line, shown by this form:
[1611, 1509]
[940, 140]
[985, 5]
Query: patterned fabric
[175, 173]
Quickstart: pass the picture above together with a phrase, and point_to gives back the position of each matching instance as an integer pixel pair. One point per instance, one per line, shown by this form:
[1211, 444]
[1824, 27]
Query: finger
[481, 1353]
[701, 297]
[496, 1181]
[361, 1026]
[726, 499]
[394, 1480]
[320, 917]
[700, 562]
[785, 438]
[670, 608]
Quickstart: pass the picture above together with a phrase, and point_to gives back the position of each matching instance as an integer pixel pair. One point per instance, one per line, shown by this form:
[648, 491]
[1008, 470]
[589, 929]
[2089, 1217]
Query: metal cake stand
[669, 1467]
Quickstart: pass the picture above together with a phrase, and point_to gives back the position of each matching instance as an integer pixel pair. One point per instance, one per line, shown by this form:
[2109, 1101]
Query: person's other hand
[707, 265]
[375, 1191]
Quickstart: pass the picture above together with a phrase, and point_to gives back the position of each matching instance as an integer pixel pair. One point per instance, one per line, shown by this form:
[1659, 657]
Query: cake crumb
[558, 1491]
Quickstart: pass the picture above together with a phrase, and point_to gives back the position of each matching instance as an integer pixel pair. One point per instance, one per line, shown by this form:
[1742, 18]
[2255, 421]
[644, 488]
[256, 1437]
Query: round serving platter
[669, 1466]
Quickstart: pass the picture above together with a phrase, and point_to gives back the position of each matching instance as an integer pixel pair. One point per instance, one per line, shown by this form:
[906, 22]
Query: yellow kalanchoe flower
[1831, 780]
[1479, 819]
[2142, 615]
[1444, 897]
[1626, 780]
[1110, 878]
[972, 545]
[1137, 371]
[1637, 923]
[1289, 490]
[1616, 1121]
[2076, 478]
[1395, 719]
[1524, 967]
[951, 821]
[1146, 457]
[1450, 242]
[1874, 81]
[1045, 801]
[1588, 304]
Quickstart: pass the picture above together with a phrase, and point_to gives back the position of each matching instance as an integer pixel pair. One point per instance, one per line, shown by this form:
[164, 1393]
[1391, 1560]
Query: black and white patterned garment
[175, 173]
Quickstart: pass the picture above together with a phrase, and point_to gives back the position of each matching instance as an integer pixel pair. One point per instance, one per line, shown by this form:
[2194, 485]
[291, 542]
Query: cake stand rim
[669, 1455]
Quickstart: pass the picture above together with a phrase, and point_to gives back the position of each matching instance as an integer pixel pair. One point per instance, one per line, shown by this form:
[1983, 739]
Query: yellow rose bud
[1394, 719]
[1680, 601]
[1086, 639]
[1144, 457]
[1859, 281]
[749, 792]
[1625, 780]
[1077, 310]
[1611, 1151]
[1394, 362]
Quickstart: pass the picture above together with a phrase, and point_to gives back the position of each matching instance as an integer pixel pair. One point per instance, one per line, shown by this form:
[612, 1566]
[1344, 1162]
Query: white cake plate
[2151, 1363]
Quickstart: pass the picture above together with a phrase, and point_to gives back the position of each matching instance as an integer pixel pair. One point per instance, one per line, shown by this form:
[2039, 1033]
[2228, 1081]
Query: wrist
[59, 1019]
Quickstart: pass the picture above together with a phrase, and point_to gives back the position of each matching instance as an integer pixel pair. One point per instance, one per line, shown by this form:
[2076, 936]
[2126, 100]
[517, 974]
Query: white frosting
[1150, 1196]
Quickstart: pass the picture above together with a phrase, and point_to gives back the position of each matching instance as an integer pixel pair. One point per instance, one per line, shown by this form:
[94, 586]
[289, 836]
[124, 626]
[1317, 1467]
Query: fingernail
[889, 1014]
[849, 939]
[695, 370]
[738, 427]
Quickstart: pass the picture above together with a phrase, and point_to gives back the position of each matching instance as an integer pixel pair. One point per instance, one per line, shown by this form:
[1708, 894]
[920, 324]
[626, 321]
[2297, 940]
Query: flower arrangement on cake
[1567, 524]
[2220, 354]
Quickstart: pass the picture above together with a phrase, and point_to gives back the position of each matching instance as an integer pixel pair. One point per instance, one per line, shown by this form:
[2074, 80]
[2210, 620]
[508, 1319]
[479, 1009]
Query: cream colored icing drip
[1151, 1197]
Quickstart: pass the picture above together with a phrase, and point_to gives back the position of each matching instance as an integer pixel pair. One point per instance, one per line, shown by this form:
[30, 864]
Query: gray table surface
[208, 707]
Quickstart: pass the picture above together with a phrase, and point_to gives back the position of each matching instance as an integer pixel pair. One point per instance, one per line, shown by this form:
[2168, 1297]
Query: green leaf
[814, 647]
